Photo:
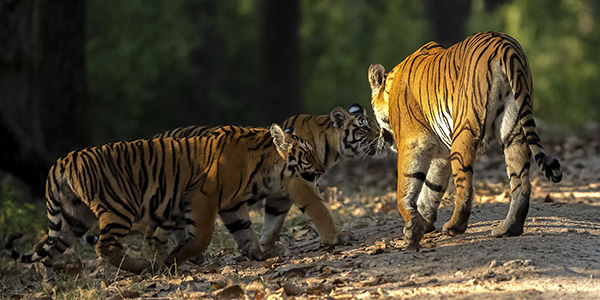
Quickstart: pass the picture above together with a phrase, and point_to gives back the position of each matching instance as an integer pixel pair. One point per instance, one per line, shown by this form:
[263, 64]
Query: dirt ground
[557, 257]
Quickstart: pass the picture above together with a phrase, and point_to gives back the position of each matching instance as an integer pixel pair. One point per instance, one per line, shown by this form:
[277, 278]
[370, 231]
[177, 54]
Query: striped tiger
[162, 182]
[341, 134]
[442, 105]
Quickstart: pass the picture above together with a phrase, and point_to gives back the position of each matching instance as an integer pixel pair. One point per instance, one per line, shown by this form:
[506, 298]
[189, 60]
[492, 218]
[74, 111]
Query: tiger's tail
[519, 76]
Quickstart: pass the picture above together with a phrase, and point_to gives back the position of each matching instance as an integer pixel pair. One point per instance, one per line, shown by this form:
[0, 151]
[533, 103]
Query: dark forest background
[76, 73]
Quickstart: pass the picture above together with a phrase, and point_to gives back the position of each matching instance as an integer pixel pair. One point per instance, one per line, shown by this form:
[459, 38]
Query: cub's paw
[344, 237]
[256, 255]
[271, 250]
[198, 259]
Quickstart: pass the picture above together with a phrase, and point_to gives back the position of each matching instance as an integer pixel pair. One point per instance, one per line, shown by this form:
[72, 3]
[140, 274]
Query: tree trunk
[280, 58]
[18, 62]
[42, 85]
[62, 75]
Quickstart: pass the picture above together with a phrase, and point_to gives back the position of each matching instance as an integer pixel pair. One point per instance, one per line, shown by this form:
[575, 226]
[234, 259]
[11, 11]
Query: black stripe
[418, 175]
[270, 210]
[238, 225]
[530, 123]
[422, 177]
[433, 187]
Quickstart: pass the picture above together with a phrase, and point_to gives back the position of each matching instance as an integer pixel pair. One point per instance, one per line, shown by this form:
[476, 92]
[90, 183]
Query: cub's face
[361, 135]
[299, 156]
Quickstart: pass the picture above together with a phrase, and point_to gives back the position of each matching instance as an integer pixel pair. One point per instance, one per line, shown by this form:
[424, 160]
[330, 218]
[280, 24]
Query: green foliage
[561, 41]
[131, 46]
[19, 216]
[156, 65]
[340, 39]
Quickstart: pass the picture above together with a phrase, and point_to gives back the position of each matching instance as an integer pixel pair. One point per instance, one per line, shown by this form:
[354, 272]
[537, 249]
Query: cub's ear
[282, 140]
[376, 76]
[356, 109]
[338, 115]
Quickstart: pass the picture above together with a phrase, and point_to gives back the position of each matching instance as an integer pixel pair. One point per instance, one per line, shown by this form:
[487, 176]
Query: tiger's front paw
[413, 232]
[344, 237]
[453, 229]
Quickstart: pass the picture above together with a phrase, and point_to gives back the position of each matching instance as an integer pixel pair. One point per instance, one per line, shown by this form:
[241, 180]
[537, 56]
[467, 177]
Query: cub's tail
[16, 255]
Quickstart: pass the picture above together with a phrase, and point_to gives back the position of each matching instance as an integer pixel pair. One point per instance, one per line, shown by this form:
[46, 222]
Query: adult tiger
[164, 181]
[341, 134]
[442, 105]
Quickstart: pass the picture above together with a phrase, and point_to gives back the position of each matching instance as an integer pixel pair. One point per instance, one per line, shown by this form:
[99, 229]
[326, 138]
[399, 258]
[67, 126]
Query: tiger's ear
[282, 140]
[376, 76]
[338, 115]
[356, 109]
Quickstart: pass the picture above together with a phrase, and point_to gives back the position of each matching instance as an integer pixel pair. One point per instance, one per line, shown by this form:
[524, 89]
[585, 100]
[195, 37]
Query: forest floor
[557, 257]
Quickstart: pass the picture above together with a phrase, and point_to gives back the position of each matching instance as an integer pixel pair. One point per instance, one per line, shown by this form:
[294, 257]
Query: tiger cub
[341, 134]
[163, 181]
[442, 105]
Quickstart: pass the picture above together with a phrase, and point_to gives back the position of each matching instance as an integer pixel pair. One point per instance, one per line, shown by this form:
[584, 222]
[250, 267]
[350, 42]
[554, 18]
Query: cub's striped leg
[413, 168]
[113, 230]
[159, 240]
[305, 196]
[199, 224]
[463, 153]
[518, 157]
[275, 211]
[237, 221]
[431, 194]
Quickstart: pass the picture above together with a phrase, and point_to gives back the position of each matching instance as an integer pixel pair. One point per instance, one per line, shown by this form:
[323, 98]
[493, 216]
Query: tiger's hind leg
[413, 169]
[200, 224]
[113, 230]
[158, 241]
[237, 221]
[275, 211]
[518, 157]
[431, 194]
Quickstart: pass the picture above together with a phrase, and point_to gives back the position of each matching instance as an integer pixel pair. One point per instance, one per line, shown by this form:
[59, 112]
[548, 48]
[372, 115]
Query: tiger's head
[360, 134]
[299, 156]
[380, 98]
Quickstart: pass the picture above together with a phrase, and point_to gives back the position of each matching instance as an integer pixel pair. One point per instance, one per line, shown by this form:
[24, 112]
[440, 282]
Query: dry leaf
[124, 295]
[231, 292]
[218, 285]
[290, 289]
[255, 286]
[295, 272]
